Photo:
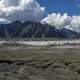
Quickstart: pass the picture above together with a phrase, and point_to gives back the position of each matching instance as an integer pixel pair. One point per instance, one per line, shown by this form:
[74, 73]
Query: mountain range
[32, 30]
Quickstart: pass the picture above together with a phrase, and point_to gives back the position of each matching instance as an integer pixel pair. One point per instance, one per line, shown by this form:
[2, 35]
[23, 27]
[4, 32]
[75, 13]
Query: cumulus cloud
[3, 21]
[63, 21]
[23, 10]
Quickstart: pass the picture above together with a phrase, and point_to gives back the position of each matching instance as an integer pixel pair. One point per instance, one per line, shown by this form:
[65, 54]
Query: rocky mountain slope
[34, 30]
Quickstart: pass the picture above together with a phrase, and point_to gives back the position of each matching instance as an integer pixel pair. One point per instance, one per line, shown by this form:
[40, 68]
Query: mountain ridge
[31, 30]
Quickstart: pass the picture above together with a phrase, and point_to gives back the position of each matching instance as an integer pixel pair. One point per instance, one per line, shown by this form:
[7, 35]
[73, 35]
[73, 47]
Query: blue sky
[72, 7]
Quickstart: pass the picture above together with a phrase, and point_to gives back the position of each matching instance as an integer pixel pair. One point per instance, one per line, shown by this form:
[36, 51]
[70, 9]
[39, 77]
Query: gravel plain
[39, 63]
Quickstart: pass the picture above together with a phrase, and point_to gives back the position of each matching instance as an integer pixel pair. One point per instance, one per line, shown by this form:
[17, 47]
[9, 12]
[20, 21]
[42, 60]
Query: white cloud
[63, 21]
[23, 10]
[4, 21]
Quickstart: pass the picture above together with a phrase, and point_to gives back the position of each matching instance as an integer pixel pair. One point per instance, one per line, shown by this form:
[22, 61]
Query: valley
[39, 62]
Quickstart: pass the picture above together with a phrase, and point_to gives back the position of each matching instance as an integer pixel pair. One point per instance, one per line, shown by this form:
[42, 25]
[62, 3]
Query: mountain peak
[31, 30]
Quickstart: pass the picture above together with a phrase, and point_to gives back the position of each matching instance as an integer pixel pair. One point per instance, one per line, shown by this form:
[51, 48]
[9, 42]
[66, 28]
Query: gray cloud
[23, 10]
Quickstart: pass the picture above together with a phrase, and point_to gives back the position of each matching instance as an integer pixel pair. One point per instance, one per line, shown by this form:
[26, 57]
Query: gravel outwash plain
[42, 63]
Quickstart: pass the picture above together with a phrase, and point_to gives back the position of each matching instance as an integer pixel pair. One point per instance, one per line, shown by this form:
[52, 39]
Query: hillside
[34, 30]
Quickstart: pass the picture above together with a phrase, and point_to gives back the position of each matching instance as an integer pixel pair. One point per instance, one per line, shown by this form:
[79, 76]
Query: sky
[36, 10]
[72, 7]
[59, 13]
[62, 13]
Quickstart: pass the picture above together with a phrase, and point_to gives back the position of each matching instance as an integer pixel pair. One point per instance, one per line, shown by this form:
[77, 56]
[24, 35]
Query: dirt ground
[40, 64]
